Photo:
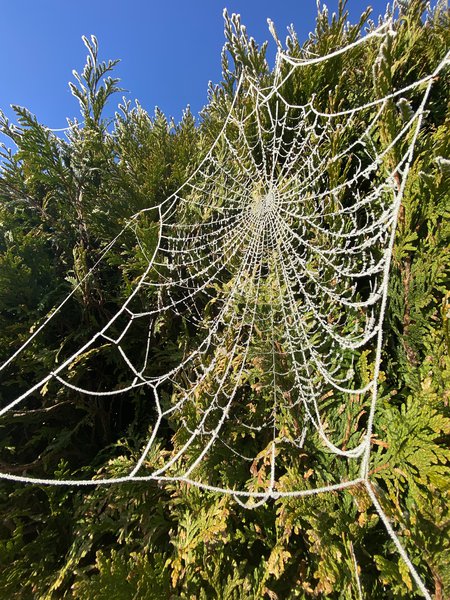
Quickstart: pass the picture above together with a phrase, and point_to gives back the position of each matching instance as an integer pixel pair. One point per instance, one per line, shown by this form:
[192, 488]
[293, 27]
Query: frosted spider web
[280, 265]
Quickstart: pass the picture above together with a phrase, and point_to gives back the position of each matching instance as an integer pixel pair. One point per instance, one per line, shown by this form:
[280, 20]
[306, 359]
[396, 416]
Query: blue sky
[169, 49]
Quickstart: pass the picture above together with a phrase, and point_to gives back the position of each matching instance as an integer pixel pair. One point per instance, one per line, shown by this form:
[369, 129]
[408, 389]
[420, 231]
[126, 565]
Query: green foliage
[94, 88]
[118, 577]
[61, 204]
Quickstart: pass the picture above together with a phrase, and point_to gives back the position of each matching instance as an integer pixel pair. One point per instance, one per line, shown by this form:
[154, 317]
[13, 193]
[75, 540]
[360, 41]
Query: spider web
[276, 254]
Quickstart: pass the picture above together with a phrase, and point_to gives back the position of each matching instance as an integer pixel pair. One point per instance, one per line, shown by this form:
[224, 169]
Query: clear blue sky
[170, 49]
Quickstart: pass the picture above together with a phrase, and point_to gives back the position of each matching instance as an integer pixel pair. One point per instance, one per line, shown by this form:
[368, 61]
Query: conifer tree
[61, 202]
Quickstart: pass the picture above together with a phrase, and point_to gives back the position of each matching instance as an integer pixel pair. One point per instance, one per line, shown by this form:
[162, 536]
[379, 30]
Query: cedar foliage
[62, 201]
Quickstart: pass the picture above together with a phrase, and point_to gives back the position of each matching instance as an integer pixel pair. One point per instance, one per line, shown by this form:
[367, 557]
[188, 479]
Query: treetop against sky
[168, 50]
